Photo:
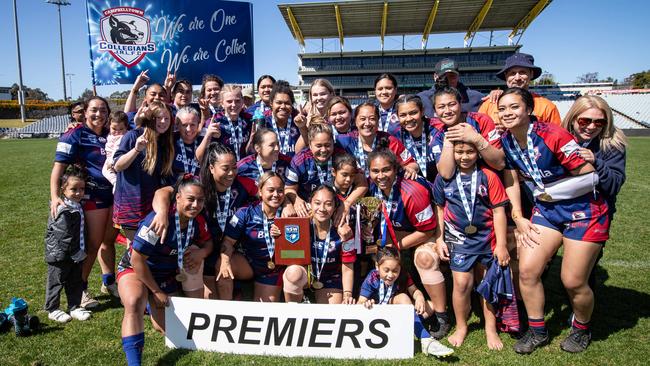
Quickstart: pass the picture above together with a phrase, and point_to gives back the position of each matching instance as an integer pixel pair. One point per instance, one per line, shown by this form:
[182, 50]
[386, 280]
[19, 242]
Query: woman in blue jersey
[284, 120]
[264, 86]
[152, 267]
[186, 142]
[339, 115]
[385, 95]
[266, 157]
[85, 146]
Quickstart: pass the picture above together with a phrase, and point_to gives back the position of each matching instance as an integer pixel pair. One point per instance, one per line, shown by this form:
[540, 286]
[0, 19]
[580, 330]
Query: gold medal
[545, 197]
[181, 276]
[270, 265]
[317, 285]
[470, 229]
[371, 248]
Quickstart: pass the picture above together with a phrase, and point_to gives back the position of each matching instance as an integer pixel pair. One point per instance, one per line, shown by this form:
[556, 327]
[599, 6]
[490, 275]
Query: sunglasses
[598, 122]
[78, 111]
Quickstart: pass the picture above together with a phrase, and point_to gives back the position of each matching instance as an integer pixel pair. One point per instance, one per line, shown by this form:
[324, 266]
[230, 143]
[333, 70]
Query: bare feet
[493, 340]
[457, 338]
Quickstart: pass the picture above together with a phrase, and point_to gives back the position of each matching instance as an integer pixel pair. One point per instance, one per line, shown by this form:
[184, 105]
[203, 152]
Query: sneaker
[530, 341]
[577, 341]
[110, 289]
[80, 314]
[431, 346]
[88, 301]
[440, 330]
[59, 316]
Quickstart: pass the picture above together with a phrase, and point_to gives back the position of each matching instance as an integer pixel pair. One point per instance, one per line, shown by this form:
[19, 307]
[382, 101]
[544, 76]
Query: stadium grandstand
[47, 127]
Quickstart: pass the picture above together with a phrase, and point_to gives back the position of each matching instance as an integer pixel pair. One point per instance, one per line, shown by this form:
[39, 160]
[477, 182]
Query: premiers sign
[189, 38]
[310, 330]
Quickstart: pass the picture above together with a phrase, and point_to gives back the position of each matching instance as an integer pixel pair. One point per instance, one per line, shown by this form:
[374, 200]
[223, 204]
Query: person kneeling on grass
[387, 284]
[150, 270]
[472, 218]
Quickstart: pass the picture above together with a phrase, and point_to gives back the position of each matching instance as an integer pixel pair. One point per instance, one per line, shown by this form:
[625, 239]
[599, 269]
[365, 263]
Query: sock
[108, 279]
[84, 285]
[579, 325]
[418, 326]
[442, 317]
[537, 325]
[132, 346]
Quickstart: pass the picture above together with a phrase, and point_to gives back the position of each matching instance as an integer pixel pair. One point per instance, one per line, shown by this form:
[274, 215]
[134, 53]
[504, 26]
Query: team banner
[189, 38]
[309, 330]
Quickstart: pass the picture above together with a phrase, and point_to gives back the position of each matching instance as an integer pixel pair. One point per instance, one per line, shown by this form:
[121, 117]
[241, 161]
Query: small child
[471, 209]
[64, 250]
[387, 284]
[119, 124]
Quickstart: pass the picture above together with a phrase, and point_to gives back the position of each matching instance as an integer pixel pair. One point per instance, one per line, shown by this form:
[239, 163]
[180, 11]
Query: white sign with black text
[309, 330]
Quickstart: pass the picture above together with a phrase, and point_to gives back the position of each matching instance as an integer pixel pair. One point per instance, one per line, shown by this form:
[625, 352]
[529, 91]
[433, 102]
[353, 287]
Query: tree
[86, 94]
[546, 79]
[120, 95]
[30, 94]
[590, 77]
[640, 80]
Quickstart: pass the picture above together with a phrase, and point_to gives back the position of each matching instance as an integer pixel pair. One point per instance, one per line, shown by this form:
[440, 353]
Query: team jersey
[259, 104]
[135, 188]
[287, 136]
[247, 227]
[234, 134]
[482, 123]
[370, 286]
[489, 194]
[544, 110]
[162, 258]
[411, 205]
[243, 191]
[388, 120]
[350, 144]
[305, 172]
[248, 167]
[422, 151]
[82, 146]
[185, 157]
[339, 252]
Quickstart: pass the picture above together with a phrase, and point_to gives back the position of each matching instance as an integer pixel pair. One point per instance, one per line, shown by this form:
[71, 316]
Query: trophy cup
[370, 210]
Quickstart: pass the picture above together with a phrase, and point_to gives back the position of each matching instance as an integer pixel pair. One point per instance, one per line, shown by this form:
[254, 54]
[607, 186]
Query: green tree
[640, 80]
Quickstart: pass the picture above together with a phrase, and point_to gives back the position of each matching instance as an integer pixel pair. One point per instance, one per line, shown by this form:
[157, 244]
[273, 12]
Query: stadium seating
[50, 126]
[620, 120]
[634, 106]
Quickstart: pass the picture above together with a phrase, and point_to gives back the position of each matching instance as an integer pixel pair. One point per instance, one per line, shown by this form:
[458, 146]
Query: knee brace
[427, 263]
[294, 279]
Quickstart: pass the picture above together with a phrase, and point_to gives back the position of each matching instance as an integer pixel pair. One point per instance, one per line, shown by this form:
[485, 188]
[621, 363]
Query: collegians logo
[126, 35]
[292, 233]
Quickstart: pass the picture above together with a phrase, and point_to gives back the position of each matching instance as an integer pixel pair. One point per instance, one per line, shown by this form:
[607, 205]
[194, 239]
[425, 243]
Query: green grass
[11, 123]
[621, 328]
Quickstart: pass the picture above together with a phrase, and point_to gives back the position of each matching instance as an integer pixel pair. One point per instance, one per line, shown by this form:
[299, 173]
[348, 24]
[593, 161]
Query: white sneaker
[59, 316]
[431, 346]
[80, 314]
[87, 300]
[110, 289]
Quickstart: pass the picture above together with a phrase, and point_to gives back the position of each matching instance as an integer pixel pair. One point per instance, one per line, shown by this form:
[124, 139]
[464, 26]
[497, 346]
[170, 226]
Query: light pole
[21, 97]
[70, 83]
[58, 4]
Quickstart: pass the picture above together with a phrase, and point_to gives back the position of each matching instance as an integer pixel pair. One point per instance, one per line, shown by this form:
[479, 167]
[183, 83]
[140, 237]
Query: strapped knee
[427, 263]
[294, 279]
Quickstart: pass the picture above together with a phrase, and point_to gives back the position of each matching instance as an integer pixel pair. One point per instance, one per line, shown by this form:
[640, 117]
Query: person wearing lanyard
[408, 222]
[475, 128]
[367, 138]
[417, 134]
[285, 121]
[547, 155]
[339, 114]
[266, 157]
[187, 121]
[264, 86]
[209, 98]
[225, 192]
[385, 95]
[252, 227]
[312, 167]
[151, 268]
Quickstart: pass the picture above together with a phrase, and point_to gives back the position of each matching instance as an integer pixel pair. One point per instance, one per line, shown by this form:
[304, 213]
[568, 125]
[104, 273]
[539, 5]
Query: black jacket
[610, 167]
[62, 236]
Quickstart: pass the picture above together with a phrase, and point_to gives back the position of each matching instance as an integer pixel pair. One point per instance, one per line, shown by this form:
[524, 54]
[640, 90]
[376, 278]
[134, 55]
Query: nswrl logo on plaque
[189, 38]
[309, 330]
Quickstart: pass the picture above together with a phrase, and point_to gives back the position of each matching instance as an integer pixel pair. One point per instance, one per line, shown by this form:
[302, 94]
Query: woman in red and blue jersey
[266, 157]
[264, 86]
[284, 120]
[546, 156]
[385, 96]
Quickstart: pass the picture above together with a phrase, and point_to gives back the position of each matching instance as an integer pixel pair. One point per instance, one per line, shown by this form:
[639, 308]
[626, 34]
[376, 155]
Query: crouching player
[150, 269]
[471, 210]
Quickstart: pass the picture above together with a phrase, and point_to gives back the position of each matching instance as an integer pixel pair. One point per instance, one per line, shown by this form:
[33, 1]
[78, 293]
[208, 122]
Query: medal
[470, 229]
[317, 285]
[270, 265]
[371, 248]
[545, 197]
[270, 243]
[181, 246]
[385, 292]
[188, 165]
[181, 276]
[388, 204]
[323, 255]
[468, 206]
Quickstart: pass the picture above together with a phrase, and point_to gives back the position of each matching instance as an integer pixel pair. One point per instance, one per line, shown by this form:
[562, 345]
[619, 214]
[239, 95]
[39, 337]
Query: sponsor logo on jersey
[493, 135]
[63, 147]
[291, 175]
[405, 155]
[570, 148]
[148, 235]
[233, 220]
[578, 215]
[424, 215]
[482, 190]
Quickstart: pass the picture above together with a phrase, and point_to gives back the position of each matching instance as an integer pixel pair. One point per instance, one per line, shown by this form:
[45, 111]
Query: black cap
[446, 65]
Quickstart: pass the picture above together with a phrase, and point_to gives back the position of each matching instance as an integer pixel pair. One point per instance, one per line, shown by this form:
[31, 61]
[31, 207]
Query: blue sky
[570, 38]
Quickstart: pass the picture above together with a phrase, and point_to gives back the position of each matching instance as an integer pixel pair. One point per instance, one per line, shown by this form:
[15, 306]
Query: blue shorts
[210, 261]
[583, 218]
[98, 198]
[462, 262]
[266, 276]
[334, 282]
[167, 284]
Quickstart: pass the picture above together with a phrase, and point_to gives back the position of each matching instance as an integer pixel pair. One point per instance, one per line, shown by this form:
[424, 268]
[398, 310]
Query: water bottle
[258, 118]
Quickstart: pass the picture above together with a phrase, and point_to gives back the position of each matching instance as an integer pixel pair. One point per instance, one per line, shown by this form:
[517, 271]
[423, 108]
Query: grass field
[621, 320]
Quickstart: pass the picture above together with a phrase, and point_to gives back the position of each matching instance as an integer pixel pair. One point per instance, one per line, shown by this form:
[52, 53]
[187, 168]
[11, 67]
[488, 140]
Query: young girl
[150, 271]
[119, 124]
[387, 284]
[65, 250]
[471, 209]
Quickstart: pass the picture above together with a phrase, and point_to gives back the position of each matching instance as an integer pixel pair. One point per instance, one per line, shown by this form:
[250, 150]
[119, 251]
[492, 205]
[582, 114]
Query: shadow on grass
[172, 357]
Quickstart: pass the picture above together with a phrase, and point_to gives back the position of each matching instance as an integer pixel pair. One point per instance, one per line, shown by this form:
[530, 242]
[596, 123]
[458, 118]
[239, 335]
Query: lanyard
[385, 292]
[420, 158]
[270, 242]
[323, 255]
[259, 166]
[384, 122]
[77, 207]
[222, 215]
[188, 165]
[362, 156]
[468, 206]
[529, 161]
[236, 135]
[387, 210]
[179, 238]
[284, 135]
[324, 176]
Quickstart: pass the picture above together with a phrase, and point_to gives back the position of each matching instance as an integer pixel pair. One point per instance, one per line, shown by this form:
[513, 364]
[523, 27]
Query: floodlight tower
[58, 4]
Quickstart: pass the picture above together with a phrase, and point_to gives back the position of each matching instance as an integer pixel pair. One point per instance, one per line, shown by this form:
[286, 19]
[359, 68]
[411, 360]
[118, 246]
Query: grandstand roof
[359, 18]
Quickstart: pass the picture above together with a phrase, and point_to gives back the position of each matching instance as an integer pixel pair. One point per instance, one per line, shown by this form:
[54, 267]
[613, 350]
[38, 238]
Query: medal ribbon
[77, 207]
[323, 255]
[420, 158]
[236, 135]
[385, 292]
[222, 215]
[188, 165]
[325, 177]
[179, 238]
[270, 242]
[529, 161]
[259, 166]
[386, 225]
[469, 209]
[362, 156]
[284, 135]
[385, 117]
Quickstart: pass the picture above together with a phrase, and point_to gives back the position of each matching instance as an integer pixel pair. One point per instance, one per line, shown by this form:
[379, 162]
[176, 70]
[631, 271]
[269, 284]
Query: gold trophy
[370, 211]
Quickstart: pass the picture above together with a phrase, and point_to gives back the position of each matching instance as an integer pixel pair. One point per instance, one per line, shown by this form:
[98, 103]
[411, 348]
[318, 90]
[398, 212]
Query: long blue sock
[418, 327]
[108, 279]
[133, 346]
